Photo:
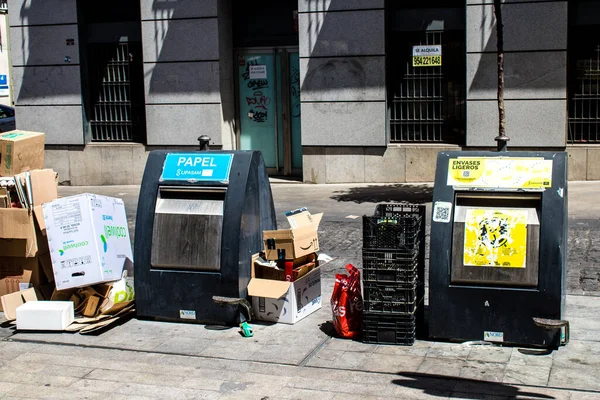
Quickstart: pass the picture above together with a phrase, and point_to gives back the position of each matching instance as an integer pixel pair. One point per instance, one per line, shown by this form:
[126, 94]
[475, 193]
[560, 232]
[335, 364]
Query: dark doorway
[584, 72]
[112, 71]
[426, 102]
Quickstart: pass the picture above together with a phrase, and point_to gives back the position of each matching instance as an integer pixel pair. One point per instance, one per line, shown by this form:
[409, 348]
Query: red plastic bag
[347, 303]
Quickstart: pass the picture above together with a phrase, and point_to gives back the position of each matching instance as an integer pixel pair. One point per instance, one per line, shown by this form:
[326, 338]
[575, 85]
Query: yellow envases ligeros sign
[500, 172]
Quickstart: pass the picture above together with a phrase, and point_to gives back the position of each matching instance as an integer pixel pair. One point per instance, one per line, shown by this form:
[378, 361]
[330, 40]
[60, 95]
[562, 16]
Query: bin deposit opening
[496, 239]
[187, 230]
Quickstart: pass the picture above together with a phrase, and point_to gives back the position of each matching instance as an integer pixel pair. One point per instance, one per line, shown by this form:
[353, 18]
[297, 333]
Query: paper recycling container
[200, 219]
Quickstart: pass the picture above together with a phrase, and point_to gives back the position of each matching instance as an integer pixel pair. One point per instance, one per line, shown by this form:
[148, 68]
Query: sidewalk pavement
[151, 359]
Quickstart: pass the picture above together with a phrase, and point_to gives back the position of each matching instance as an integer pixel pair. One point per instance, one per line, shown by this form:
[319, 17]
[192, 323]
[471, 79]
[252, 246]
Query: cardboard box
[301, 266]
[45, 315]
[4, 198]
[16, 274]
[286, 302]
[21, 151]
[17, 233]
[19, 273]
[300, 240]
[10, 302]
[22, 231]
[89, 239]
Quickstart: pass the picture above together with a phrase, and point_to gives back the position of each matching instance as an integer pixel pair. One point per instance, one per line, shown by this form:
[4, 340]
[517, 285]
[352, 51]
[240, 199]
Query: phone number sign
[427, 56]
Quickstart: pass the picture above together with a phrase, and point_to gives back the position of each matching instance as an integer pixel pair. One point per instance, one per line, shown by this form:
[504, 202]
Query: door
[268, 89]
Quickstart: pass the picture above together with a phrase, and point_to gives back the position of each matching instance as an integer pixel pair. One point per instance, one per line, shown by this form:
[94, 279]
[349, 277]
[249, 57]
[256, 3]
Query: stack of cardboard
[286, 284]
[24, 187]
[58, 253]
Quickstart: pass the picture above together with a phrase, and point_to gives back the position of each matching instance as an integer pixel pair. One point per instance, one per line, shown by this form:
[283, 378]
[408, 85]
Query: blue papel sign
[197, 167]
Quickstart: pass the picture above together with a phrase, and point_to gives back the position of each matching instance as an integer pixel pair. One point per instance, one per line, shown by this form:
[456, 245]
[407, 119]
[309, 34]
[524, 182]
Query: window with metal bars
[584, 74]
[117, 112]
[426, 104]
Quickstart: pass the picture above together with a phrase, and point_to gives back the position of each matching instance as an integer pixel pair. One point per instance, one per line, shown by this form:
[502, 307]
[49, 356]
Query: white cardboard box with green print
[88, 238]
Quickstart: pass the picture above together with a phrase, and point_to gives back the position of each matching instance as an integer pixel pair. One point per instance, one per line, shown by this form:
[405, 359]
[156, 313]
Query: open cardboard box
[23, 231]
[286, 302]
[300, 240]
[301, 266]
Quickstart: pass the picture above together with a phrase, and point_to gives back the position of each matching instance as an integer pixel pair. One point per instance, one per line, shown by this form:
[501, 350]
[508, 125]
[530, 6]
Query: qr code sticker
[466, 174]
[442, 211]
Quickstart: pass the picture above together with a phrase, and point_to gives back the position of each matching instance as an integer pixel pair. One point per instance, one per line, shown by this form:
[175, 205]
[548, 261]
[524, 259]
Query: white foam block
[45, 315]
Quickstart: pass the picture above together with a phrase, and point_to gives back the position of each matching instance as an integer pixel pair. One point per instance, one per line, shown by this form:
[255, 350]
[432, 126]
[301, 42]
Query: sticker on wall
[427, 56]
[495, 238]
[442, 211]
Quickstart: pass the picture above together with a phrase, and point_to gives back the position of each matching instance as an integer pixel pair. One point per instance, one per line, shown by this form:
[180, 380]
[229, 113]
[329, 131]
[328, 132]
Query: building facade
[329, 90]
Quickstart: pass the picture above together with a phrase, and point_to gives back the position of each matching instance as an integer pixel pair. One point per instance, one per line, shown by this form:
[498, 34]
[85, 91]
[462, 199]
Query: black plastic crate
[389, 266]
[391, 233]
[390, 298]
[392, 257]
[389, 329]
[399, 211]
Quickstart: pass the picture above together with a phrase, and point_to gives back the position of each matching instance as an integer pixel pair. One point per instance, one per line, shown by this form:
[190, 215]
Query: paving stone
[185, 345]
[9, 375]
[165, 392]
[527, 375]
[392, 363]
[281, 354]
[575, 378]
[135, 377]
[449, 350]
[326, 358]
[441, 366]
[305, 394]
[34, 391]
[349, 345]
[419, 348]
[94, 385]
[578, 354]
[355, 390]
[204, 383]
[519, 359]
[482, 371]
[233, 351]
[490, 354]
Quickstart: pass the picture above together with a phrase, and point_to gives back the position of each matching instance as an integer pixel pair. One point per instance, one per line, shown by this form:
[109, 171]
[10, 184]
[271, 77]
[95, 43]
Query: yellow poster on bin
[495, 238]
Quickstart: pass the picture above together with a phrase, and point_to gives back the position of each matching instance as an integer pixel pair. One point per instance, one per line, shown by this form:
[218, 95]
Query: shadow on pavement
[402, 193]
[328, 329]
[438, 385]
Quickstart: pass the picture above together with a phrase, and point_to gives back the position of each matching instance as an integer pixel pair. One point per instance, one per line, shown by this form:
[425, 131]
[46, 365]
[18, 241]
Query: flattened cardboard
[11, 302]
[44, 186]
[300, 240]
[91, 306]
[15, 283]
[21, 151]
